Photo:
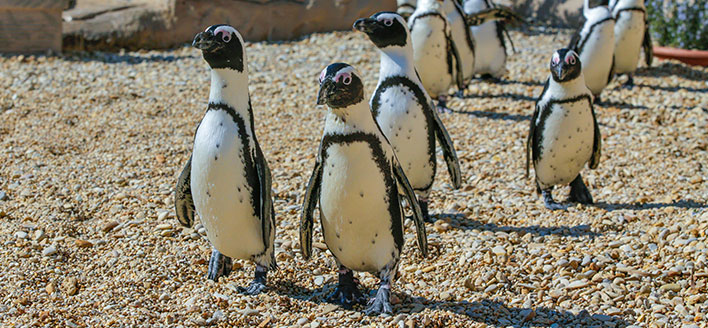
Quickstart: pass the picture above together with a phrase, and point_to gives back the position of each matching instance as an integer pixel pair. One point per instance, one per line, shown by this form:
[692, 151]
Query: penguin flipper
[448, 148]
[597, 141]
[266, 211]
[308, 208]
[532, 151]
[184, 204]
[647, 44]
[413, 201]
[459, 79]
[498, 13]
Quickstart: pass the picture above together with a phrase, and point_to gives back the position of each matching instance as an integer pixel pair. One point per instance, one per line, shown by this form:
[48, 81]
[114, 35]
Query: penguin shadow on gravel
[459, 221]
[121, 58]
[672, 69]
[683, 204]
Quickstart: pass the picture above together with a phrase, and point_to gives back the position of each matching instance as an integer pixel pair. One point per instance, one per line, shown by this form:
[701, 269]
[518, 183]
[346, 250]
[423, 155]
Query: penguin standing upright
[631, 34]
[595, 44]
[356, 181]
[227, 179]
[403, 109]
[406, 8]
[490, 54]
[462, 36]
[564, 134]
[435, 53]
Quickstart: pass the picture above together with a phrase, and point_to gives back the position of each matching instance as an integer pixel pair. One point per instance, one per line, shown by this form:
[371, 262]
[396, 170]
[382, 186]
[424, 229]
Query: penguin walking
[405, 8]
[631, 34]
[564, 134]
[356, 181]
[403, 109]
[595, 44]
[490, 54]
[227, 179]
[435, 53]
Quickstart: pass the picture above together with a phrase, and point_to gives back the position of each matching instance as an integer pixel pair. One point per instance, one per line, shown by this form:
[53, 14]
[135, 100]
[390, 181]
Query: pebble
[49, 251]
[20, 235]
[39, 235]
[3, 196]
[499, 250]
[70, 286]
[319, 280]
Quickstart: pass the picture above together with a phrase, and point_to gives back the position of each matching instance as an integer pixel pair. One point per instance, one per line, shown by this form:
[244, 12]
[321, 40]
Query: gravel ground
[92, 144]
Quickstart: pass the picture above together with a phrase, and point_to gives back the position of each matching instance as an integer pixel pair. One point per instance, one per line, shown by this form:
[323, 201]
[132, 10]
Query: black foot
[219, 266]
[381, 303]
[549, 202]
[629, 83]
[424, 210]
[442, 105]
[347, 293]
[597, 99]
[258, 285]
[490, 78]
[579, 193]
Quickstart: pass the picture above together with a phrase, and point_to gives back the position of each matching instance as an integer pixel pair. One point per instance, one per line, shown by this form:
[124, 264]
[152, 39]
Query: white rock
[49, 251]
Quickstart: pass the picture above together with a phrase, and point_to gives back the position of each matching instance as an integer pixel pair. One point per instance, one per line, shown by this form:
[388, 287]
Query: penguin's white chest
[459, 31]
[596, 56]
[568, 136]
[221, 192]
[355, 209]
[629, 34]
[490, 55]
[402, 120]
[430, 55]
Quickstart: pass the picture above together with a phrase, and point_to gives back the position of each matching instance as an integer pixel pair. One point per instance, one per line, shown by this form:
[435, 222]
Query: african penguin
[631, 34]
[564, 134]
[356, 181]
[490, 54]
[462, 36]
[227, 179]
[403, 109]
[435, 53]
[595, 43]
[406, 7]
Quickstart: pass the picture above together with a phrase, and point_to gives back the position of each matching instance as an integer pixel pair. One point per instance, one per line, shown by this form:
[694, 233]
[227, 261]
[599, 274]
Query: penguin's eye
[226, 32]
[347, 79]
[570, 60]
[387, 21]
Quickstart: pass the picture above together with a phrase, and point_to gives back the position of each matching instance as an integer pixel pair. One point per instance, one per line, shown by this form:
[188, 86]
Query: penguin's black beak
[326, 89]
[366, 25]
[205, 41]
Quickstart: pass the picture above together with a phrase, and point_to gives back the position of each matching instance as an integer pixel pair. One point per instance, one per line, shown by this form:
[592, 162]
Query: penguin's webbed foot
[219, 266]
[423, 203]
[579, 193]
[442, 105]
[549, 202]
[258, 285]
[347, 293]
[630, 82]
[381, 303]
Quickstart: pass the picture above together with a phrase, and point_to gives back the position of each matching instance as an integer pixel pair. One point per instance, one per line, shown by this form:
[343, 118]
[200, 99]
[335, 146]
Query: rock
[499, 250]
[301, 322]
[3, 196]
[21, 235]
[577, 284]
[70, 286]
[527, 315]
[167, 23]
[319, 280]
[50, 288]
[445, 296]
[49, 251]
[670, 287]
[39, 235]
[164, 226]
[109, 226]
[83, 243]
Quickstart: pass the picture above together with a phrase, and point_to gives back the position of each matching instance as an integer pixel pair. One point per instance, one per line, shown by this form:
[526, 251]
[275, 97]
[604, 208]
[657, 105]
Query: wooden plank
[30, 30]
[43, 4]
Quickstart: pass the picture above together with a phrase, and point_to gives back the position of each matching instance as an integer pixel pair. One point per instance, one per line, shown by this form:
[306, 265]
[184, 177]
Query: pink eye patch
[345, 77]
[322, 75]
[556, 59]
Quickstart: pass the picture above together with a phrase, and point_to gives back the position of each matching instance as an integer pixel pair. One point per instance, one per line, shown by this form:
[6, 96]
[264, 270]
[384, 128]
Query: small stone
[164, 226]
[314, 324]
[20, 235]
[301, 322]
[50, 288]
[3, 196]
[161, 215]
[445, 296]
[49, 251]
[319, 280]
[321, 246]
[70, 286]
[499, 250]
[39, 235]
[527, 315]
[670, 287]
[400, 317]
[83, 243]
[109, 226]
[577, 284]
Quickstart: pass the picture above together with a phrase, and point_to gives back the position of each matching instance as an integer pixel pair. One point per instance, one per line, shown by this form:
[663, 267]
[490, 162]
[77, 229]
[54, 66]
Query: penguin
[462, 36]
[404, 110]
[631, 34]
[435, 53]
[356, 181]
[595, 43]
[227, 180]
[563, 134]
[406, 8]
[490, 54]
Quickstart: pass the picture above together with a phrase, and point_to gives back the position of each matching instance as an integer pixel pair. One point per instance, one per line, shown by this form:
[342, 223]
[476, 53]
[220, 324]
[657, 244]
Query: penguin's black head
[565, 65]
[340, 86]
[221, 46]
[384, 29]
